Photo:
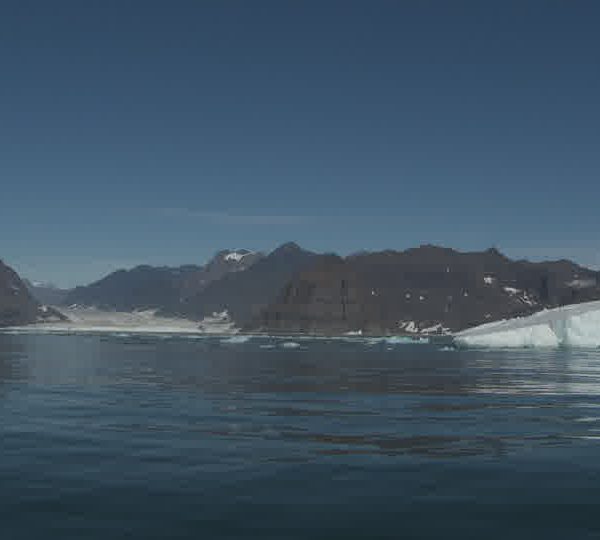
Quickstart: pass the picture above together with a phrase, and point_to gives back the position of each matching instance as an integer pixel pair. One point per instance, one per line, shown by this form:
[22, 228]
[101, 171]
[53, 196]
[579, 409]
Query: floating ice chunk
[405, 340]
[576, 326]
[235, 340]
[396, 340]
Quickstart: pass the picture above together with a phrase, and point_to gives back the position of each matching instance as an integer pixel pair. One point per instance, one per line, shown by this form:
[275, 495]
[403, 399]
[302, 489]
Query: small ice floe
[406, 340]
[399, 340]
[236, 340]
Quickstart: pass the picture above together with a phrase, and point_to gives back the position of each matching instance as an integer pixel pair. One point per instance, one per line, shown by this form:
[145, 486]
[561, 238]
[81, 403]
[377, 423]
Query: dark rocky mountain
[224, 262]
[164, 288]
[17, 305]
[422, 290]
[46, 293]
[245, 294]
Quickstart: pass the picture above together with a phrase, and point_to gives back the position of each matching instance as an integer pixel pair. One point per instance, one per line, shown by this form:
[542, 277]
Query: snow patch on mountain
[237, 256]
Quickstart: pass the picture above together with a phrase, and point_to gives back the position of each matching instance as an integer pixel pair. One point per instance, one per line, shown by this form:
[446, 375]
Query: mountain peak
[288, 247]
[242, 258]
[495, 252]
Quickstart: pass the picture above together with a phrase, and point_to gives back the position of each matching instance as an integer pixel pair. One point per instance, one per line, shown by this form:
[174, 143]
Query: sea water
[125, 436]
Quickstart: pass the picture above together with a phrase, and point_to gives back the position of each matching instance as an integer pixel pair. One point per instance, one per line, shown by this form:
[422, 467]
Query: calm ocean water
[109, 437]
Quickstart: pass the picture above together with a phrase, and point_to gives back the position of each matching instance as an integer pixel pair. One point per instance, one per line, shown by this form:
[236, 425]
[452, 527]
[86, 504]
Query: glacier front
[575, 325]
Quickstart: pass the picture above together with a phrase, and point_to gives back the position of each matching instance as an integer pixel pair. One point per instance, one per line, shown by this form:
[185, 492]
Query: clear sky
[160, 132]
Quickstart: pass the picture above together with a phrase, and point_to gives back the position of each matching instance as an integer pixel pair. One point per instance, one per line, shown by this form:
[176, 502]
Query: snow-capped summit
[232, 260]
[238, 255]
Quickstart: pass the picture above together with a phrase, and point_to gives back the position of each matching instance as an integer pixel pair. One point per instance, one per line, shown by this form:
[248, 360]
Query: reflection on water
[330, 396]
[137, 414]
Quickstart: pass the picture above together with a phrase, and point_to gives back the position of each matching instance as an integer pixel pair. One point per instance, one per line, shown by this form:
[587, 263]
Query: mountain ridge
[429, 288]
[158, 287]
[421, 290]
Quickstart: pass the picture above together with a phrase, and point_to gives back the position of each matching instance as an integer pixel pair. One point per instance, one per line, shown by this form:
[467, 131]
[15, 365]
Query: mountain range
[424, 290]
[161, 288]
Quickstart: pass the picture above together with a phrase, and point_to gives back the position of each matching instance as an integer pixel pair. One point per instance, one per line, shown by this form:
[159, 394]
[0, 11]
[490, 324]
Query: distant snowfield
[569, 326]
[94, 320]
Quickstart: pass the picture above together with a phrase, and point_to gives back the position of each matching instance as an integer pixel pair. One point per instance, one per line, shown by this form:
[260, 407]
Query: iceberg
[576, 325]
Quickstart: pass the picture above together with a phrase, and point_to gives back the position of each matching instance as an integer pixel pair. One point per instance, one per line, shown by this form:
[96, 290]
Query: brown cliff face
[422, 290]
[17, 306]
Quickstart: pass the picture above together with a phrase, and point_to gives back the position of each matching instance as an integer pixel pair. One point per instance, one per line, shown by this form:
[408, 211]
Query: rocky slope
[163, 288]
[46, 293]
[422, 290]
[17, 305]
[244, 294]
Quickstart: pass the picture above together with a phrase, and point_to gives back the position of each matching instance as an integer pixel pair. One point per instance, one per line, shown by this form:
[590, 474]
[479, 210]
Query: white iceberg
[576, 325]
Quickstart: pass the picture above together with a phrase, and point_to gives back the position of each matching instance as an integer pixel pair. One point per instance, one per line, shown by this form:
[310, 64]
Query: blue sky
[160, 132]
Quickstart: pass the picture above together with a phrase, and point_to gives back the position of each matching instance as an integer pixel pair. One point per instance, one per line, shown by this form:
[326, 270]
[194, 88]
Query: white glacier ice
[576, 325]
[83, 319]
